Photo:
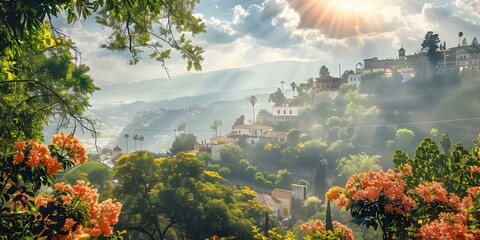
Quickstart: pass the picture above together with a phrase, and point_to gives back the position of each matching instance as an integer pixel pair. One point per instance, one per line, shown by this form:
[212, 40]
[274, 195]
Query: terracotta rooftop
[282, 193]
[222, 140]
[267, 200]
[253, 127]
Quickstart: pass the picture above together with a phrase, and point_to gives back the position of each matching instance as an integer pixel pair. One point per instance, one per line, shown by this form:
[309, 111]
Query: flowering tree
[68, 212]
[430, 196]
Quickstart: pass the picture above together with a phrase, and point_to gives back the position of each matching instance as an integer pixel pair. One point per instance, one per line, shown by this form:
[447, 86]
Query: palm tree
[220, 124]
[141, 138]
[126, 136]
[214, 128]
[253, 101]
[294, 86]
[460, 35]
[135, 138]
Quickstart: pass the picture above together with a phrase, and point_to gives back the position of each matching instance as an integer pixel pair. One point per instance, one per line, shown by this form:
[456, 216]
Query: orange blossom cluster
[101, 216]
[317, 228]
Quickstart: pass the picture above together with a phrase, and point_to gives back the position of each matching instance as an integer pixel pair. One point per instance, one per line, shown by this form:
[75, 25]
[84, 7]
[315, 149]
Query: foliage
[284, 179]
[320, 184]
[430, 45]
[96, 173]
[134, 25]
[431, 196]
[183, 142]
[316, 230]
[354, 164]
[231, 154]
[177, 194]
[404, 138]
[277, 98]
[253, 100]
[68, 212]
[324, 72]
[43, 85]
[273, 234]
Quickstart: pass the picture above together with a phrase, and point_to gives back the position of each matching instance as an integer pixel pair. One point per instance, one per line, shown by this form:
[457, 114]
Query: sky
[242, 33]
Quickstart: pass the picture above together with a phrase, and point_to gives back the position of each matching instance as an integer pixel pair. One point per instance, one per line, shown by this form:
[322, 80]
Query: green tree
[135, 139]
[277, 98]
[176, 194]
[253, 101]
[183, 142]
[293, 85]
[311, 206]
[231, 154]
[354, 164]
[141, 139]
[430, 45]
[134, 26]
[320, 182]
[324, 72]
[216, 125]
[404, 138]
[182, 127]
[284, 179]
[126, 136]
[293, 137]
[446, 143]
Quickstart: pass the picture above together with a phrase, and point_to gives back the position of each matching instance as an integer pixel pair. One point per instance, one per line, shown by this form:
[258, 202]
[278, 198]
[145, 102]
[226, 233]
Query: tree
[253, 101]
[293, 85]
[284, 179]
[277, 98]
[240, 120]
[134, 26]
[324, 72]
[404, 138]
[177, 194]
[126, 136]
[67, 211]
[141, 139]
[346, 73]
[460, 35]
[183, 142]
[446, 143]
[311, 206]
[430, 45]
[320, 184]
[354, 164]
[217, 124]
[293, 137]
[135, 139]
[231, 155]
[182, 127]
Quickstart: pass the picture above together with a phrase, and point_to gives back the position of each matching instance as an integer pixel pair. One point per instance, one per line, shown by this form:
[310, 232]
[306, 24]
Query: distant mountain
[228, 84]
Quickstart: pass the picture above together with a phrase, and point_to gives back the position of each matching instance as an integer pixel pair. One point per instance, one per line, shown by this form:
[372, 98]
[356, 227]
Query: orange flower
[33, 158]
[18, 158]
[333, 193]
[69, 223]
[19, 145]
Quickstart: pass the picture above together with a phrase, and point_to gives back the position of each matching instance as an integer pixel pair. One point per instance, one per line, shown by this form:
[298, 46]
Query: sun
[346, 5]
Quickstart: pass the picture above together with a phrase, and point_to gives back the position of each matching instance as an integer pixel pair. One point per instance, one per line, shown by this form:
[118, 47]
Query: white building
[252, 133]
[287, 111]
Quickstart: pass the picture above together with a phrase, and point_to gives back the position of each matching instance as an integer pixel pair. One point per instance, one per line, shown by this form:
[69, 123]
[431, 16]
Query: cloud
[337, 19]
[271, 22]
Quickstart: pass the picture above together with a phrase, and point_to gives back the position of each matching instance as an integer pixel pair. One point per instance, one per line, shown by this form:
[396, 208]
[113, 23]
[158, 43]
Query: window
[252, 141]
[290, 112]
[278, 112]
[284, 111]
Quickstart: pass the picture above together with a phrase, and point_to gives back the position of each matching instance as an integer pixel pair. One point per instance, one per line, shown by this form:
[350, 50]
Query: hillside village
[286, 111]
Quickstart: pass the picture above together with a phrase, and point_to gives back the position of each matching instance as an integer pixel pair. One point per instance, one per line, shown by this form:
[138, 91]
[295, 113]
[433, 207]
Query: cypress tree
[320, 184]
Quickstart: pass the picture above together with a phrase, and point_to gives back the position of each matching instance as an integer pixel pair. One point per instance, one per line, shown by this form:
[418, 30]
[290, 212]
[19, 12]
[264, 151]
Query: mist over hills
[221, 95]
[228, 84]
